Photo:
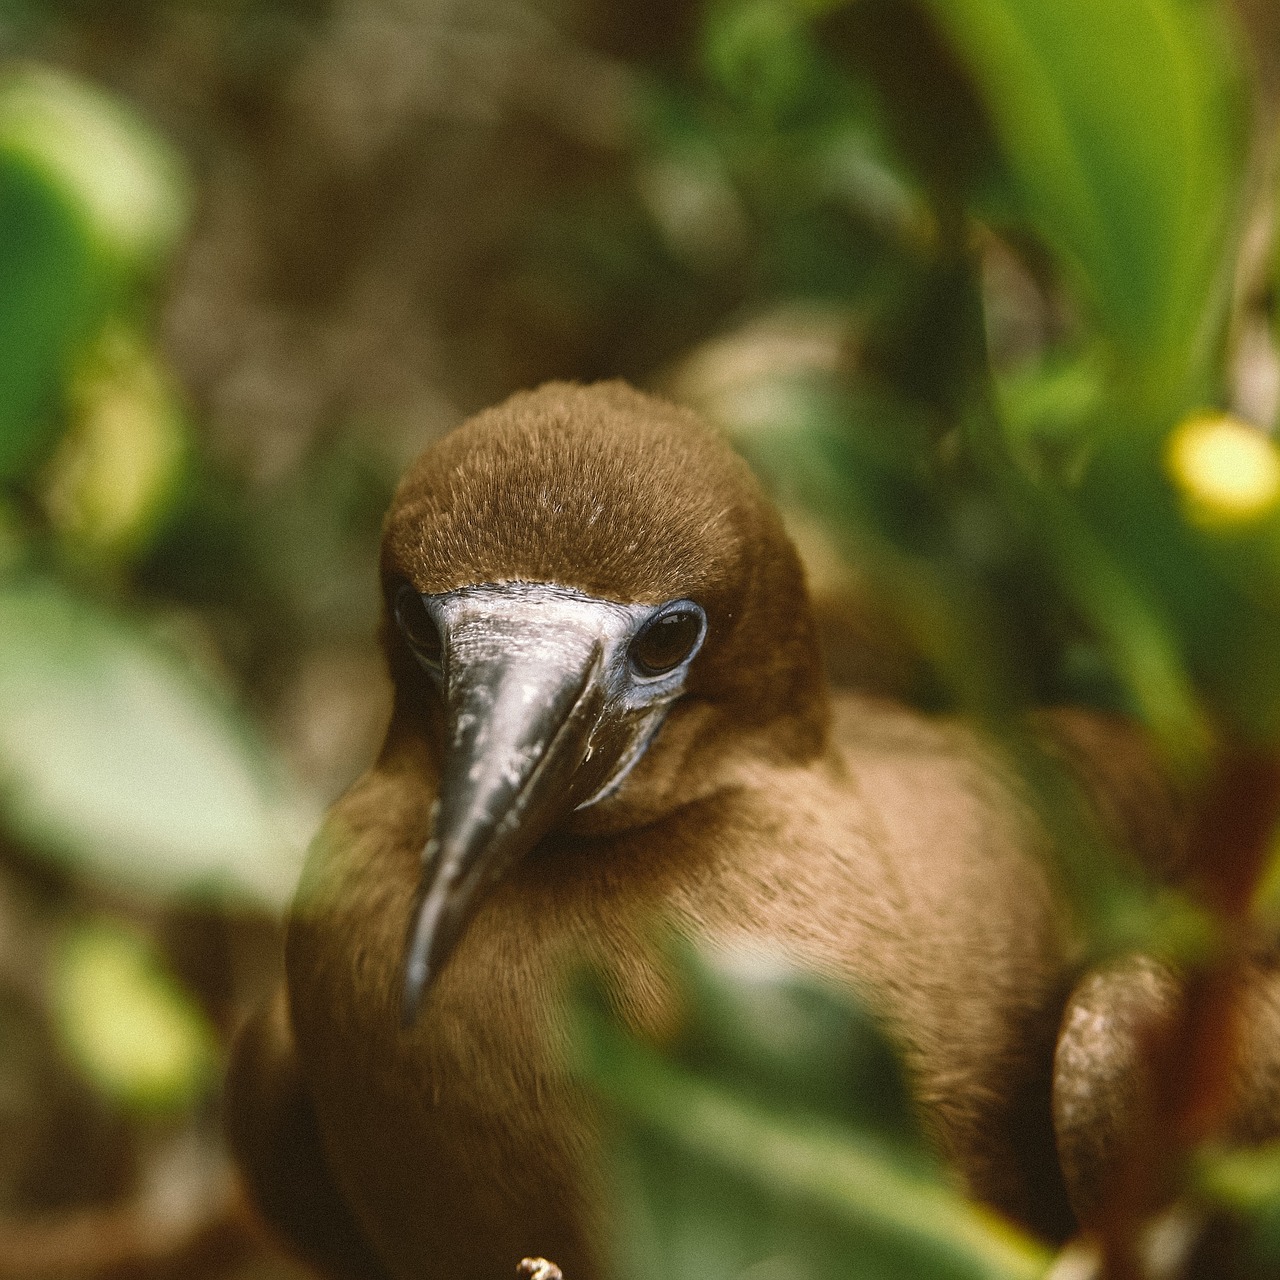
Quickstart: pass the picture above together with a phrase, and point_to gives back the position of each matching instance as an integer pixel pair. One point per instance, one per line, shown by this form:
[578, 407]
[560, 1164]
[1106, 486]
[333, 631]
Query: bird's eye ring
[418, 627]
[668, 639]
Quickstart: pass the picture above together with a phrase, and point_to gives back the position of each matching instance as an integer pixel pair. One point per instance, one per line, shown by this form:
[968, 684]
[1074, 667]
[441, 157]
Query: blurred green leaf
[118, 468]
[926, 106]
[1122, 123]
[127, 1024]
[1205, 561]
[116, 758]
[781, 182]
[774, 1135]
[1047, 408]
[89, 200]
[49, 300]
[127, 189]
[758, 52]
[784, 1041]
[1246, 1182]
[692, 202]
[13, 541]
[1136, 632]
[1246, 1178]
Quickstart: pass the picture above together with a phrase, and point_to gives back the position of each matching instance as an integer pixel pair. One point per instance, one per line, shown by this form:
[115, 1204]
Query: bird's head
[589, 603]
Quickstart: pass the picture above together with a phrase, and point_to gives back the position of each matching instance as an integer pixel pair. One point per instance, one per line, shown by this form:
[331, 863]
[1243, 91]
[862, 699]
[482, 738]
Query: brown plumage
[865, 842]
[1115, 1118]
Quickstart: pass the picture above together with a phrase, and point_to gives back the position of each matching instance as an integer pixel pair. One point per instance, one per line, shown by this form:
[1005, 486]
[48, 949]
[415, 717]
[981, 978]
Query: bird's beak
[532, 733]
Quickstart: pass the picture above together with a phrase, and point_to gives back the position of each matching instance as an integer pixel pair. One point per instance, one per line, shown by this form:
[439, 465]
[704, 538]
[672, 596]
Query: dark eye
[668, 640]
[418, 627]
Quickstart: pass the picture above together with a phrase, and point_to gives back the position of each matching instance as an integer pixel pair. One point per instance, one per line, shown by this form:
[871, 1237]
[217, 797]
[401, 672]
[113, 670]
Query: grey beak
[533, 733]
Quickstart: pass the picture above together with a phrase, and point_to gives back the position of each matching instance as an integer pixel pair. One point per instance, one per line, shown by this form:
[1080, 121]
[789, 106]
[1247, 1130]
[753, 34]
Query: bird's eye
[418, 627]
[668, 640]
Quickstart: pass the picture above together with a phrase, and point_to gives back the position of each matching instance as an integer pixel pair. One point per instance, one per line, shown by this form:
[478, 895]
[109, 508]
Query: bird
[609, 710]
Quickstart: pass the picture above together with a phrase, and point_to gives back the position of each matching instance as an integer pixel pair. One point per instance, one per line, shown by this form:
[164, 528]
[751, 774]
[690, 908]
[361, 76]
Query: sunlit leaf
[118, 759]
[126, 187]
[127, 1024]
[774, 1135]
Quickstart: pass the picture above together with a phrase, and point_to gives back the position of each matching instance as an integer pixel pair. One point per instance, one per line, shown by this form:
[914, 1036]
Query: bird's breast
[464, 1143]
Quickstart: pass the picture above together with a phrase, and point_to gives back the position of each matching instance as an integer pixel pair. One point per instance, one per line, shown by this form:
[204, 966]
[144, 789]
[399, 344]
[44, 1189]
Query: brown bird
[610, 710]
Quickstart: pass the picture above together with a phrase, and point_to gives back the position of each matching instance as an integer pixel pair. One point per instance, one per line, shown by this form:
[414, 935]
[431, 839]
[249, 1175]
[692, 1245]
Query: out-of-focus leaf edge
[854, 1186]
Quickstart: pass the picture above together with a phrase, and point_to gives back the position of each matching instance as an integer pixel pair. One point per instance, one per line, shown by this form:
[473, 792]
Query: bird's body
[714, 788]
[464, 1145]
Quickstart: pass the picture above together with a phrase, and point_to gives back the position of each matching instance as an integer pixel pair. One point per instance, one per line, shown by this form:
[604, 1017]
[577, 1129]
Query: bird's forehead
[441, 554]
[641, 506]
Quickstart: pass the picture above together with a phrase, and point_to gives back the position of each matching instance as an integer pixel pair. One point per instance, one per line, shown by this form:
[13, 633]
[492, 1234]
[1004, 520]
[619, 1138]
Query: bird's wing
[1136, 803]
[272, 1130]
[1109, 1102]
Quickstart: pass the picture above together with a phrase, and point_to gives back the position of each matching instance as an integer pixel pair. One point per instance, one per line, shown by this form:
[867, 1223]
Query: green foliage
[1121, 123]
[1059, 507]
[760, 52]
[1214, 582]
[114, 756]
[774, 1136]
[90, 201]
[1245, 1183]
[114, 476]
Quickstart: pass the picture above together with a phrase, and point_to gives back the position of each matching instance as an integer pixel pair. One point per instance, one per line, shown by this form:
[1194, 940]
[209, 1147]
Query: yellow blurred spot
[118, 467]
[1227, 470]
[127, 1024]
